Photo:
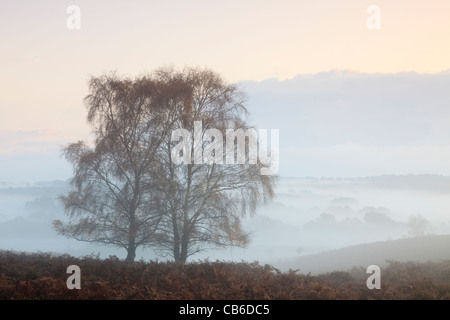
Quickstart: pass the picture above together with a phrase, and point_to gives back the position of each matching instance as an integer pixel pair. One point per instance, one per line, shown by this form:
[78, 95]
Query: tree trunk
[131, 252]
[176, 250]
[180, 250]
[183, 255]
[184, 246]
[176, 237]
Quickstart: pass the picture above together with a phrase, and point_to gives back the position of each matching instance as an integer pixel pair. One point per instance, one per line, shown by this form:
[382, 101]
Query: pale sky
[45, 66]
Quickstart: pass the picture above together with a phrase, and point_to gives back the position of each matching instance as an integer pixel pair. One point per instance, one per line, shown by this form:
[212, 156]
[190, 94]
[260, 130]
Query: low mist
[308, 216]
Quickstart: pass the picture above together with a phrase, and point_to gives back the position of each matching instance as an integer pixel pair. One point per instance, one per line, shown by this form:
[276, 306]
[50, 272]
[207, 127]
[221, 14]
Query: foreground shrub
[43, 276]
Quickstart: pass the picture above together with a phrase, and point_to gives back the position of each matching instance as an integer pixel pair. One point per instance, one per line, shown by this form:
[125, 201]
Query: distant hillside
[420, 249]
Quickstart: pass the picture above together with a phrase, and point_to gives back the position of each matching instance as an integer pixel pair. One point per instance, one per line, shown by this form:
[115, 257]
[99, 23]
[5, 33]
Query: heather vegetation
[43, 276]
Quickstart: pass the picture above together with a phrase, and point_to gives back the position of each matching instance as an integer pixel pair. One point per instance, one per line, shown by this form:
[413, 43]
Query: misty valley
[308, 218]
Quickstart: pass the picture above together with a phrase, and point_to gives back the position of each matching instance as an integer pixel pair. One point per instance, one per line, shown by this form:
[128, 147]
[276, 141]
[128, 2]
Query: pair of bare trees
[127, 191]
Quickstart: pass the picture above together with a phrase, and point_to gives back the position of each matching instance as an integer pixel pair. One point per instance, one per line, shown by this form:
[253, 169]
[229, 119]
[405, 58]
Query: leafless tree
[207, 200]
[418, 226]
[129, 191]
[114, 201]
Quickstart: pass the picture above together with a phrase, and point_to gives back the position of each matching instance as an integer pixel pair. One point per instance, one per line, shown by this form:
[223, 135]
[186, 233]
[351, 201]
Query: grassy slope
[420, 249]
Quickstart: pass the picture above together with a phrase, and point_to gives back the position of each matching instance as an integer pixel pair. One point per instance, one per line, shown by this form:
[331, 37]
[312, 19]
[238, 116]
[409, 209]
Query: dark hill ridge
[419, 249]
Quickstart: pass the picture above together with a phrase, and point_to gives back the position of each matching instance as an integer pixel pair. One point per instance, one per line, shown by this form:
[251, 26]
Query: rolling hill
[419, 249]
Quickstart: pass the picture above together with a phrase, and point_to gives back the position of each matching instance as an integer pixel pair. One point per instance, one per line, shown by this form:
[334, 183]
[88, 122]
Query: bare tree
[114, 200]
[417, 226]
[128, 189]
[207, 199]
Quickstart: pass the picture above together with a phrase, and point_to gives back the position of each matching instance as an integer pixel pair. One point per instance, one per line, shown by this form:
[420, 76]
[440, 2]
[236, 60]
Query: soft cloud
[351, 160]
[22, 142]
[343, 123]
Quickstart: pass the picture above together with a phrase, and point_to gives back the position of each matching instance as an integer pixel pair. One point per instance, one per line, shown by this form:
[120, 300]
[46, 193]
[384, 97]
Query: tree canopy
[128, 190]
